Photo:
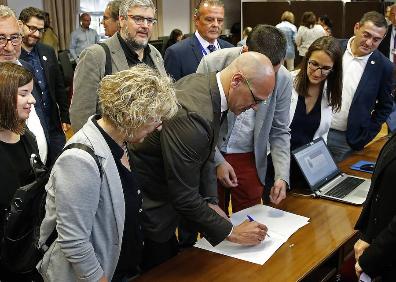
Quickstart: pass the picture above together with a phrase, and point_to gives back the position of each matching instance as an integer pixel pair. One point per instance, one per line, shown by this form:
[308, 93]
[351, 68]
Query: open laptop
[324, 177]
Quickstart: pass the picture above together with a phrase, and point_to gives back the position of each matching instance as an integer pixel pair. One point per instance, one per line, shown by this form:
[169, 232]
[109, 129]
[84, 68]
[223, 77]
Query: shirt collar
[223, 99]
[115, 149]
[349, 50]
[205, 43]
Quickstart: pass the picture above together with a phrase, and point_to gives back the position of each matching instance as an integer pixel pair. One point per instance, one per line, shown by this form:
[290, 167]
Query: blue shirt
[33, 59]
[81, 39]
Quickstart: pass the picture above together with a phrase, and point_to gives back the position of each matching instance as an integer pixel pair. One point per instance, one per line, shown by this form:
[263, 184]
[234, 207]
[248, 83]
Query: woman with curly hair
[95, 208]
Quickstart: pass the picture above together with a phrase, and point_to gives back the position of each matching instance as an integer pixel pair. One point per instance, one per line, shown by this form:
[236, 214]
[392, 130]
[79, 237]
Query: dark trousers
[155, 253]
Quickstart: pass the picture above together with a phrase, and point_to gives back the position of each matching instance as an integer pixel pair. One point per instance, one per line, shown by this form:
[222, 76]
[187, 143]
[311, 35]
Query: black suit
[176, 166]
[377, 222]
[384, 46]
[183, 58]
[59, 112]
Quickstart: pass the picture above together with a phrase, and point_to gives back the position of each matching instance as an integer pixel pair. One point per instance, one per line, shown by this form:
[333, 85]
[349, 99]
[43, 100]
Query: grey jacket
[272, 118]
[88, 213]
[91, 69]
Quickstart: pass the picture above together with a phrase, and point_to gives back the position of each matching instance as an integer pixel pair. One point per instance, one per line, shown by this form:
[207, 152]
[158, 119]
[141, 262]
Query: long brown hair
[12, 76]
[332, 48]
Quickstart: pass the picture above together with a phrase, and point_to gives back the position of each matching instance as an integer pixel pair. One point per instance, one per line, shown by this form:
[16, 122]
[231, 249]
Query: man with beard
[53, 99]
[183, 58]
[127, 47]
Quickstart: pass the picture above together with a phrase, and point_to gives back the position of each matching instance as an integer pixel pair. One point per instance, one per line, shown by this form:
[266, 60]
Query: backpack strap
[108, 67]
[87, 149]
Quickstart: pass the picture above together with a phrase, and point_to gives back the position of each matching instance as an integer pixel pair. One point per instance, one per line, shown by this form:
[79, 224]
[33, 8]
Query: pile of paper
[281, 225]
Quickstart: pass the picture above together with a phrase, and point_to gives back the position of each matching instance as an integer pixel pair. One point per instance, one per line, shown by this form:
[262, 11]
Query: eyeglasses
[33, 29]
[324, 70]
[255, 99]
[139, 20]
[15, 39]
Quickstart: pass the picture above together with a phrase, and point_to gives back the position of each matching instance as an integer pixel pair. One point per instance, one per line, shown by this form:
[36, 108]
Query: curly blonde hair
[134, 97]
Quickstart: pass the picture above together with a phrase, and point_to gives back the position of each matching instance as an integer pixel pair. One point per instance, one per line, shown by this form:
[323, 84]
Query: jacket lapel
[111, 176]
[195, 45]
[216, 102]
[44, 63]
[371, 67]
[118, 57]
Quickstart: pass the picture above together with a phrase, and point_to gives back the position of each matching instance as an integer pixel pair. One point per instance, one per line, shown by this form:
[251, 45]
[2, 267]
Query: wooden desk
[318, 247]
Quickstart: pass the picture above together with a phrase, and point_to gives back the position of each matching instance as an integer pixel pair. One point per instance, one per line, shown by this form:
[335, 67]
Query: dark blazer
[55, 82]
[183, 58]
[384, 46]
[176, 167]
[377, 222]
[372, 102]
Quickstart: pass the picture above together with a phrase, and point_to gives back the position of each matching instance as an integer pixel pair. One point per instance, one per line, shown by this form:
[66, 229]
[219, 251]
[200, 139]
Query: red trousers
[249, 190]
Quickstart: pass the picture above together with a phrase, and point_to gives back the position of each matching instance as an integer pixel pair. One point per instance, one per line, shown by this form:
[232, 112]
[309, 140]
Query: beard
[29, 41]
[132, 43]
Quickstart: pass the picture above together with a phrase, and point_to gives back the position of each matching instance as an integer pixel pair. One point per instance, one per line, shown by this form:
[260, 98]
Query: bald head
[248, 81]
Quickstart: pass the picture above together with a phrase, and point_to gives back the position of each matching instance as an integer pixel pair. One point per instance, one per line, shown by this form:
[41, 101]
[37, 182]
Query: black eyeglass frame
[255, 99]
[12, 39]
[324, 70]
[139, 20]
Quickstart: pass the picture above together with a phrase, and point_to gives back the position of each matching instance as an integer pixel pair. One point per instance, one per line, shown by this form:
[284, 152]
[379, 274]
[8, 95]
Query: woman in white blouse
[308, 32]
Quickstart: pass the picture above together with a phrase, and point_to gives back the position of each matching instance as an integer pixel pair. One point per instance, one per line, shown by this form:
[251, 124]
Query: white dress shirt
[205, 43]
[353, 68]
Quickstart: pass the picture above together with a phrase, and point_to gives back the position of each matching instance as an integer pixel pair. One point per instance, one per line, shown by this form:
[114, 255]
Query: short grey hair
[114, 7]
[6, 12]
[126, 5]
[210, 3]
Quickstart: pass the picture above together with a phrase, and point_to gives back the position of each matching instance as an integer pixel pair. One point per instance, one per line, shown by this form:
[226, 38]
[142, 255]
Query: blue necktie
[212, 48]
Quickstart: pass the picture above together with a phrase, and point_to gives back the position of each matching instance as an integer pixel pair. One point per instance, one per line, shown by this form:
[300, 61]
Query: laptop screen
[316, 163]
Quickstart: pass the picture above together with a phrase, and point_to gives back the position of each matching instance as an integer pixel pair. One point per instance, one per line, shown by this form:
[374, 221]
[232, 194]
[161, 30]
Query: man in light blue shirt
[83, 36]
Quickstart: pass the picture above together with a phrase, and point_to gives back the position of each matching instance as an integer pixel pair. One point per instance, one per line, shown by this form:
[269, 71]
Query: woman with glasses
[317, 91]
[17, 143]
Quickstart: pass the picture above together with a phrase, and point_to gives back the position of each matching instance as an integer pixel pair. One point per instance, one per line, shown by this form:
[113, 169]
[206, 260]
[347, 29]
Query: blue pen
[251, 219]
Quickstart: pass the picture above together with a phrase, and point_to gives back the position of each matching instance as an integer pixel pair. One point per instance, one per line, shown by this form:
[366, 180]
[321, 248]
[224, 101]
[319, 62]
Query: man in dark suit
[183, 58]
[53, 98]
[388, 48]
[375, 252]
[176, 166]
[367, 87]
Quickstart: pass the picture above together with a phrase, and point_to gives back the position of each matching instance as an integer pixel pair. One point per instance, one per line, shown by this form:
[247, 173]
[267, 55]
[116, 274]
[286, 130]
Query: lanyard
[203, 51]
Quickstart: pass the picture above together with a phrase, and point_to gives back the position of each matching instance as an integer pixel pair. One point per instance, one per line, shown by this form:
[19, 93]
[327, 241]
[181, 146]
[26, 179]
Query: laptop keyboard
[345, 187]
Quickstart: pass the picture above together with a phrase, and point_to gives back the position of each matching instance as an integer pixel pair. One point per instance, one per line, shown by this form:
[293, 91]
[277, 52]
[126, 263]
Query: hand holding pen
[248, 233]
[252, 219]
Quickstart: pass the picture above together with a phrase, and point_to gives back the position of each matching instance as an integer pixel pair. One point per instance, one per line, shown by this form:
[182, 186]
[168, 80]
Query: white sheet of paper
[281, 225]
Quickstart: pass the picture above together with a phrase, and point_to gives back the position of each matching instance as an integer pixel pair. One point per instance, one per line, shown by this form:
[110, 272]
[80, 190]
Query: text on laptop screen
[316, 162]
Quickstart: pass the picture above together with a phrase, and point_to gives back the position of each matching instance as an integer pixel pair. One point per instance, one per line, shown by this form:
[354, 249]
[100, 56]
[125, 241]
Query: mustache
[31, 36]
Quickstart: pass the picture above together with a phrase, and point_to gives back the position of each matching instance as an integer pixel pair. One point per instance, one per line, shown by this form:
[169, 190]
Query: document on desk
[281, 225]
